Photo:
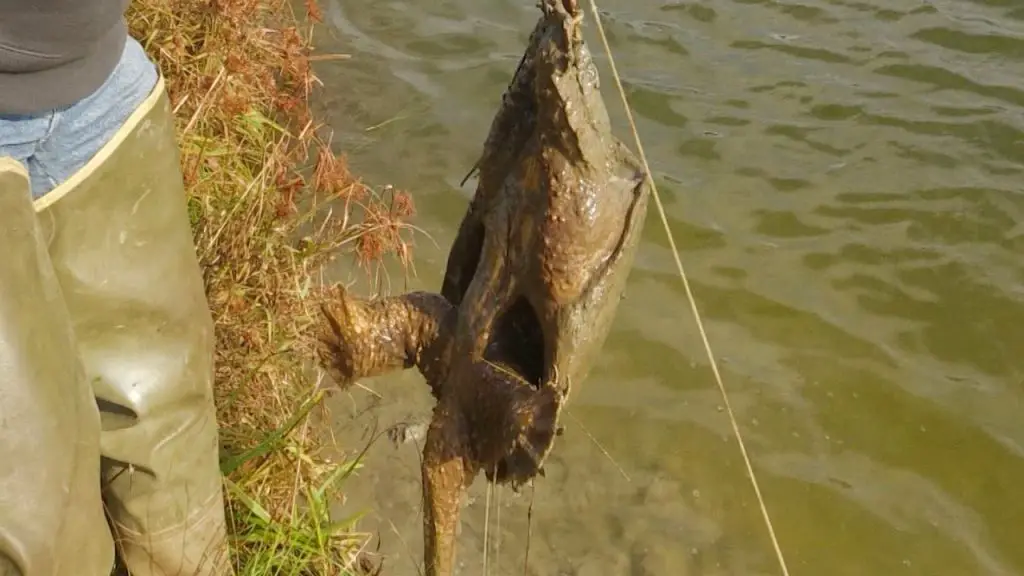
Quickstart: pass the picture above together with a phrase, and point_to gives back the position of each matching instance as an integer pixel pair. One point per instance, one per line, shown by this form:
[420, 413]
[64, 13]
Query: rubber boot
[119, 238]
[51, 512]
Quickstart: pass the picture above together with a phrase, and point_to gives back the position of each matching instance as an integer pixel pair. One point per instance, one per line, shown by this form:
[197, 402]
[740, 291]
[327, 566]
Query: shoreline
[239, 78]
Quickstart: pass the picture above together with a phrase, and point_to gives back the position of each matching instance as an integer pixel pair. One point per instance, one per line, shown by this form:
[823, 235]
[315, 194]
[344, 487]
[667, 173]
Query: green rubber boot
[51, 513]
[119, 238]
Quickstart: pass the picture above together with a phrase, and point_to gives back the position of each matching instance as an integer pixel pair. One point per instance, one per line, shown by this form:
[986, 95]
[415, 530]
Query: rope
[689, 294]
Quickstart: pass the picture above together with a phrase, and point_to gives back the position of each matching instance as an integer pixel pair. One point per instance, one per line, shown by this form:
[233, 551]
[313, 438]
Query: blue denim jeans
[53, 145]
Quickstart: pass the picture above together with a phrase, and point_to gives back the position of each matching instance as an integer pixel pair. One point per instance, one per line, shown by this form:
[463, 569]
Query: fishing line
[689, 293]
[487, 524]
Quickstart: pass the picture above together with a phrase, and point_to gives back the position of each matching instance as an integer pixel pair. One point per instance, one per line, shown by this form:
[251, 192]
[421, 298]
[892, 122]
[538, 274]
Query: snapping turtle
[531, 287]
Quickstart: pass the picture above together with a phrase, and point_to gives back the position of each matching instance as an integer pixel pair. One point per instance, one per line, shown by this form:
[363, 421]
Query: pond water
[844, 181]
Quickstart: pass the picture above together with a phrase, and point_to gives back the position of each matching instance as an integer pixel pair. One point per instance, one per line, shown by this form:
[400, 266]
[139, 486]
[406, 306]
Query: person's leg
[51, 513]
[120, 241]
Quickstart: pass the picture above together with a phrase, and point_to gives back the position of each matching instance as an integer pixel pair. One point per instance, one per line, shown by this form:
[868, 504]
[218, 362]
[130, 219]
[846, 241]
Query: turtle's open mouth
[518, 342]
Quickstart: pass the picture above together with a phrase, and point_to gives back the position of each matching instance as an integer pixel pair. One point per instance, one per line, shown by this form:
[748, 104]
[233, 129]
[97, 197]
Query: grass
[239, 77]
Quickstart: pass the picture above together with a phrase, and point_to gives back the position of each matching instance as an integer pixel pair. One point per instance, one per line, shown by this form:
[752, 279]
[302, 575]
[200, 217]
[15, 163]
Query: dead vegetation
[257, 172]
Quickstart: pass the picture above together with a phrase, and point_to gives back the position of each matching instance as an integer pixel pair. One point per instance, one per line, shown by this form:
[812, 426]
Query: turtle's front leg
[359, 339]
[448, 469]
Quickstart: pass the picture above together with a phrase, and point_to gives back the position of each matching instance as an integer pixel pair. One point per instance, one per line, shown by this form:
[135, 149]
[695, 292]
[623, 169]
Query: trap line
[689, 293]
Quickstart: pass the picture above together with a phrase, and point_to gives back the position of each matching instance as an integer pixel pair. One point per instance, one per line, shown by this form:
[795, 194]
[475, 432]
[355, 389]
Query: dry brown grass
[239, 77]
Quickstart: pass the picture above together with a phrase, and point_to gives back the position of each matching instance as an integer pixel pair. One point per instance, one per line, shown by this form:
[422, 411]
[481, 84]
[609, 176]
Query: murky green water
[844, 179]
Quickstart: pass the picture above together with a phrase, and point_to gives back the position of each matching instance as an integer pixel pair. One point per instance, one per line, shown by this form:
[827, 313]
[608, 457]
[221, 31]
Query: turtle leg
[359, 339]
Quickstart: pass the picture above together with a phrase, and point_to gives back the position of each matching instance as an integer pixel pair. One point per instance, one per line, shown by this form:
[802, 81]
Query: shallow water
[844, 182]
